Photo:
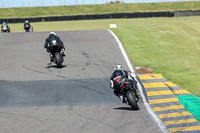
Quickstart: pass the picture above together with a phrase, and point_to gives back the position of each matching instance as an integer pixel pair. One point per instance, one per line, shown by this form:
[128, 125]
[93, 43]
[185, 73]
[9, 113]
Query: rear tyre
[58, 60]
[132, 100]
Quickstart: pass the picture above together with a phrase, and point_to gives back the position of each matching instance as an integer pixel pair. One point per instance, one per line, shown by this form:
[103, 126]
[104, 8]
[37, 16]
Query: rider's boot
[62, 52]
[51, 57]
[122, 99]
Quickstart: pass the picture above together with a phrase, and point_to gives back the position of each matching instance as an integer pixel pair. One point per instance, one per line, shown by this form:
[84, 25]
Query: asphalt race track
[37, 98]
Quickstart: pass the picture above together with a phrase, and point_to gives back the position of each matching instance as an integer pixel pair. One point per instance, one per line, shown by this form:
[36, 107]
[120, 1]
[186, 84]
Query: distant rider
[48, 43]
[27, 26]
[5, 25]
[116, 80]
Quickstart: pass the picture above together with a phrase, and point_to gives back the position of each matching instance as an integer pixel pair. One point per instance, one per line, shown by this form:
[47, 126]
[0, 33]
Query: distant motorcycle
[5, 29]
[28, 29]
[57, 57]
[131, 95]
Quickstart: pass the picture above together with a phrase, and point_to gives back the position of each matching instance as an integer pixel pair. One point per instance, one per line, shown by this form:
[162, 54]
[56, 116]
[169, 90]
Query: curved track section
[35, 97]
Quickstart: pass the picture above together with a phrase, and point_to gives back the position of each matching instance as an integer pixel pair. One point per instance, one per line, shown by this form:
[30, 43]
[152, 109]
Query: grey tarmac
[36, 97]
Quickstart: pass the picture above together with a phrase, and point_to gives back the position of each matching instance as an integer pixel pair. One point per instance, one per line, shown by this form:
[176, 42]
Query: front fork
[137, 94]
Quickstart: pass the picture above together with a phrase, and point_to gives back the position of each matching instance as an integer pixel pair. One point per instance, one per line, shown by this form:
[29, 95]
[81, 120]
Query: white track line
[159, 122]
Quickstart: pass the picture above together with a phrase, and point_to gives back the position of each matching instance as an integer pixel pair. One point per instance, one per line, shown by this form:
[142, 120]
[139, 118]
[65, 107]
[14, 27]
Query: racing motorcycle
[27, 29]
[5, 29]
[131, 94]
[57, 57]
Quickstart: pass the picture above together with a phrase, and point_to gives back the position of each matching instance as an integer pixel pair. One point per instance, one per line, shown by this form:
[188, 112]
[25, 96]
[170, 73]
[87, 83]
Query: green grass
[169, 46]
[28, 12]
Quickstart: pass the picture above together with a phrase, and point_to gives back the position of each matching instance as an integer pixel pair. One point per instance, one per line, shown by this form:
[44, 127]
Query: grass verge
[28, 12]
[169, 46]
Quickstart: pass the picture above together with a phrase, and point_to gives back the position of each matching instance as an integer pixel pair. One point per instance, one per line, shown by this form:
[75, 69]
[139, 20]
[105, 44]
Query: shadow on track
[125, 108]
[55, 66]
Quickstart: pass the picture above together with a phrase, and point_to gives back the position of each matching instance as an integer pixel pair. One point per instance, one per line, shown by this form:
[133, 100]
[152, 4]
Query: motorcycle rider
[116, 80]
[48, 42]
[5, 25]
[27, 26]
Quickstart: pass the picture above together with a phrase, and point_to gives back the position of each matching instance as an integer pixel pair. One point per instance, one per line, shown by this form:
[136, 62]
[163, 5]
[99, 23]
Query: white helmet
[118, 67]
[52, 33]
[26, 21]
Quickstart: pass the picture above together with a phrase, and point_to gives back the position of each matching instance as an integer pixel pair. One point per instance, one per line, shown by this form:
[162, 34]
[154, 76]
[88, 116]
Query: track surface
[77, 98]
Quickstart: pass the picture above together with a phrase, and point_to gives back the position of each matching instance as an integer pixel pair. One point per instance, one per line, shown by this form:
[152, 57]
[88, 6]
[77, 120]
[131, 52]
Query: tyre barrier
[105, 16]
[89, 17]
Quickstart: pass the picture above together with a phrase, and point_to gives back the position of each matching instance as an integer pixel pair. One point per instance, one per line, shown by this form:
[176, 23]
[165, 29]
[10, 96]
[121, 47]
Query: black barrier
[85, 17]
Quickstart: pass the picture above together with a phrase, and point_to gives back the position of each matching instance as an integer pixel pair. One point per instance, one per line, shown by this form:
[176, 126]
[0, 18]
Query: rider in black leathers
[6, 25]
[27, 26]
[48, 43]
[116, 80]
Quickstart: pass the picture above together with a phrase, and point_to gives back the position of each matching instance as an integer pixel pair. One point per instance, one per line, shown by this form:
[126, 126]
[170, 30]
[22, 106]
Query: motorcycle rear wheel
[58, 60]
[131, 98]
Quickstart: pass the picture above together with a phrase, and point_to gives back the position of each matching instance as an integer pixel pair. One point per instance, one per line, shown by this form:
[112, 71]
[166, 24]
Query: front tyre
[58, 60]
[132, 100]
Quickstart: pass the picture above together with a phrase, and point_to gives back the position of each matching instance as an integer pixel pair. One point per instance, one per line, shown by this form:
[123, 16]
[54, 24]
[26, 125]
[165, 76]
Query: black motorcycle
[28, 29]
[57, 57]
[131, 94]
[5, 29]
